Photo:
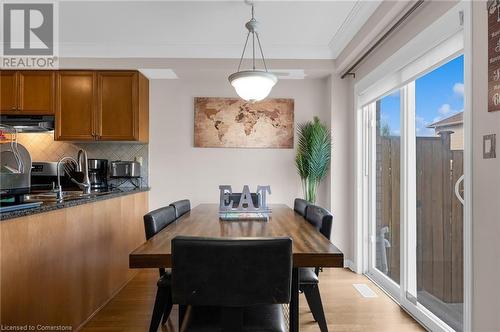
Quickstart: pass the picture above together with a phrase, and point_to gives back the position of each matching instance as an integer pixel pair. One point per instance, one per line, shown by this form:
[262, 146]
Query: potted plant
[313, 156]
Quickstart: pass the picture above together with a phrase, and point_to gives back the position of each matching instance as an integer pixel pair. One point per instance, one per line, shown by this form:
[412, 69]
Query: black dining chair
[154, 222]
[181, 207]
[300, 206]
[232, 284]
[322, 220]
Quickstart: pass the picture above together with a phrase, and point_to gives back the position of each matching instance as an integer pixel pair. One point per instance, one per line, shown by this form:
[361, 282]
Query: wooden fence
[439, 213]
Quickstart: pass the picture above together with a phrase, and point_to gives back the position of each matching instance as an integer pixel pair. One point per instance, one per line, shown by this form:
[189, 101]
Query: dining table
[309, 249]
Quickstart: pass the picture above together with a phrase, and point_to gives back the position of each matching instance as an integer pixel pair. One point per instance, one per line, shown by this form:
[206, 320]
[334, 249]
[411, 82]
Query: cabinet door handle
[13, 108]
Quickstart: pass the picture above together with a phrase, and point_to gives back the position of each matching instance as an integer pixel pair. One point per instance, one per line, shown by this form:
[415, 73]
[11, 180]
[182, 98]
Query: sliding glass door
[386, 201]
[439, 152]
[414, 152]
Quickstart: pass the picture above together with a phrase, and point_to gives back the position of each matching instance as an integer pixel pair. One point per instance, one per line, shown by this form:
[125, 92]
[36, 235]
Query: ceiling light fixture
[253, 85]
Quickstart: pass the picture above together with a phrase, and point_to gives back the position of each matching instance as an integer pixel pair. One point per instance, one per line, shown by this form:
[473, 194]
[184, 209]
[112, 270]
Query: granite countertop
[51, 205]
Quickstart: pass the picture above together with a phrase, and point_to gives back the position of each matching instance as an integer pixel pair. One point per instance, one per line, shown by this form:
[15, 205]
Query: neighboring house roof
[455, 119]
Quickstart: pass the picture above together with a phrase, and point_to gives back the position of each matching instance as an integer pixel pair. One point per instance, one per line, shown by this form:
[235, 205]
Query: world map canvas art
[235, 123]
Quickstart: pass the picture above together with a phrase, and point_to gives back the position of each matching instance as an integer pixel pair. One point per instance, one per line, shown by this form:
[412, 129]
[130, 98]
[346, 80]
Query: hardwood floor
[345, 308]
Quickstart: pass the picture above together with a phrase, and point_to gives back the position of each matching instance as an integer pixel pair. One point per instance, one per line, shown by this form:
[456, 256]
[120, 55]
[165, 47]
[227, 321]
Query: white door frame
[362, 211]
[467, 230]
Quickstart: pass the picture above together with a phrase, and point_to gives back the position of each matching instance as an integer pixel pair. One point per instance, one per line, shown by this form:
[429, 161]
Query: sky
[438, 95]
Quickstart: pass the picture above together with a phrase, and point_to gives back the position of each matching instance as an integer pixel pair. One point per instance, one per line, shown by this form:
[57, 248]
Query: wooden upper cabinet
[88, 105]
[117, 106]
[36, 92]
[76, 105]
[122, 106]
[8, 92]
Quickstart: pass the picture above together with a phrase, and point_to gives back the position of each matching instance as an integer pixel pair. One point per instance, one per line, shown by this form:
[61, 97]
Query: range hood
[29, 123]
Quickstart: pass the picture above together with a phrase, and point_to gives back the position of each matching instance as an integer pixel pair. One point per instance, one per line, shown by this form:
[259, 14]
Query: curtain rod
[349, 72]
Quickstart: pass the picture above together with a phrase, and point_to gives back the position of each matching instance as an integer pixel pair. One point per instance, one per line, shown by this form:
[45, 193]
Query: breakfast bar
[72, 255]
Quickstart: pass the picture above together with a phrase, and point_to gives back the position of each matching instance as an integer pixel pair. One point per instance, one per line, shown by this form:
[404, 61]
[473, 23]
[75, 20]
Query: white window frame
[420, 55]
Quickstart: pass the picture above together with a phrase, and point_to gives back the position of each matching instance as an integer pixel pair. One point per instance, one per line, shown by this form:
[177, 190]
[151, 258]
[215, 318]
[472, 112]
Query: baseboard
[348, 264]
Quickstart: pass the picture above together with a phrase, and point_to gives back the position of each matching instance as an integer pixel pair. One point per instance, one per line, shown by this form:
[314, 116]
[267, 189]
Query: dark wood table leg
[182, 313]
[294, 303]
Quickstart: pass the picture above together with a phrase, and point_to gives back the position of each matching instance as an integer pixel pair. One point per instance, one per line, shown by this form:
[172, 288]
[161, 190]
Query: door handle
[457, 189]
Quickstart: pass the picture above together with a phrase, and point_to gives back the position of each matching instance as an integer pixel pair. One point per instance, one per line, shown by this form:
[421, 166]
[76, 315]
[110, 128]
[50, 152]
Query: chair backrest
[157, 220]
[300, 206]
[181, 207]
[231, 272]
[320, 218]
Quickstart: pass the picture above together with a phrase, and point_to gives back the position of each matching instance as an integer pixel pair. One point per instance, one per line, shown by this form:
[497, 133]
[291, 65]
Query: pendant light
[253, 85]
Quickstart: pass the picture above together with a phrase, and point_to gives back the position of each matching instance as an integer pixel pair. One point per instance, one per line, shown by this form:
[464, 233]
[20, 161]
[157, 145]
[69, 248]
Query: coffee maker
[98, 174]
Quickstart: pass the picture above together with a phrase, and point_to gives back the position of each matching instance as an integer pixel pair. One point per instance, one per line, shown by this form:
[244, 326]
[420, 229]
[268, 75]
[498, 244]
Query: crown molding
[368, 35]
[357, 17]
[187, 51]
[327, 49]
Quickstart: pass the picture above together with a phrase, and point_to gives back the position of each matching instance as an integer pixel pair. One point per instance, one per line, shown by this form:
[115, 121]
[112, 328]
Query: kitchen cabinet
[27, 92]
[8, 89]
[36, 92]
[122, 106]
[102, 106]
[76, 106]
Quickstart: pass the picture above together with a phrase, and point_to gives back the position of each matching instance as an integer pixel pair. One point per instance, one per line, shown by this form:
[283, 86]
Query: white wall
[342, 169]
[179, 170]
[486, 188]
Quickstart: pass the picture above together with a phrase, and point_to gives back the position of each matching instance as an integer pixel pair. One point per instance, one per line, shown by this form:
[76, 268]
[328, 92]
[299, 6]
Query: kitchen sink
[51, 196]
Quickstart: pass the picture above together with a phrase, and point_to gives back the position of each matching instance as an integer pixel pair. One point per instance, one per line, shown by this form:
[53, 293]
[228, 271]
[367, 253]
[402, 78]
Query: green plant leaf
[313, 155]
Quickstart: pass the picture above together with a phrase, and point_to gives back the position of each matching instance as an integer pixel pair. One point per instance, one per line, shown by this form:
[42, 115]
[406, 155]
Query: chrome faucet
[81, 166]
[59, 192]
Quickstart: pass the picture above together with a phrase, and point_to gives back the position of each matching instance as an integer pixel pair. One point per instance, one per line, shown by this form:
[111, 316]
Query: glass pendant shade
[253, 85]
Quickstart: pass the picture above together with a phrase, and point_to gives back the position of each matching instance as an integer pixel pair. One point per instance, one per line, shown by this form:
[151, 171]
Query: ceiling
[207, 29]
[167, 68]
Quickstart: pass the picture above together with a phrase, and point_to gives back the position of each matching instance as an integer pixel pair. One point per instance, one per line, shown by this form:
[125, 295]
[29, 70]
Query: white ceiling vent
[289, 74]
[159, 74]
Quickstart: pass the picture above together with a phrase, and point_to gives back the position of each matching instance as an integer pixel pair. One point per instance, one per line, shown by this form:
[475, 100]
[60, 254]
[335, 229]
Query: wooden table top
[310, 247]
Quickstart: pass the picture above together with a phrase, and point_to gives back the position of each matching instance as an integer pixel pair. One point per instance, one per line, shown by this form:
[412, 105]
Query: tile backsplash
[42, 147]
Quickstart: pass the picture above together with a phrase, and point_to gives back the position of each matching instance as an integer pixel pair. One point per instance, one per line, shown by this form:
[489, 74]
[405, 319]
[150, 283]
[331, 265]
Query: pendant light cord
[253, 50]
[244, 49]
[254, 33]
[261, 52]
[253, 39]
